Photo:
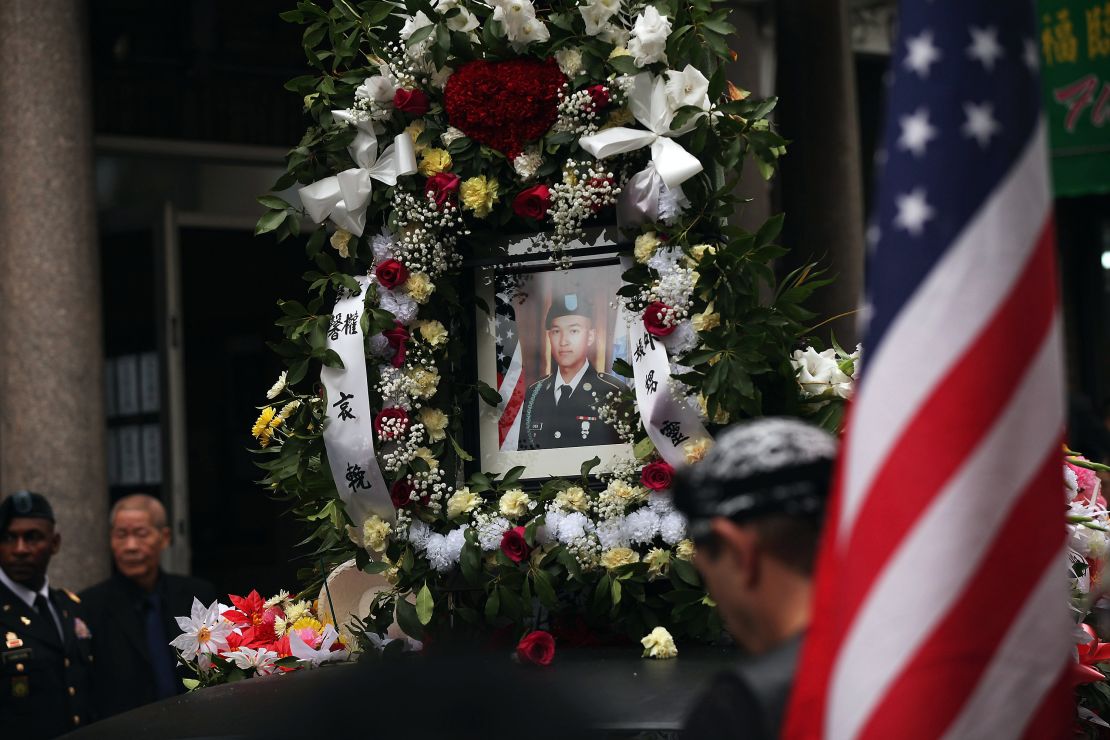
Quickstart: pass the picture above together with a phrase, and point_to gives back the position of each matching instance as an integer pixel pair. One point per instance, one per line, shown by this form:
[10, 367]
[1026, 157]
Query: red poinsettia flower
[248, 609]
[1093, 652]
[536, 648]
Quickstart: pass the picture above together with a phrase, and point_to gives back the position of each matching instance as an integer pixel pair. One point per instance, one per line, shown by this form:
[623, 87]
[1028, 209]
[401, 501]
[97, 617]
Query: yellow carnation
[423, 382]
[435, 423]
[414, 130]
[618, 556]
[701, 250]
[703, 322]
[721, 417]
[659, 644]
[420, 287]
[462, 502]
[427, 456]
[514, 503]
[478, 194]
[434, 161]
[433, 332]
[375, 533]
[657, 559]
[695, 451]
[572, 499]
[625, 492]
[341, 241]
[645, 246]
[684, 550]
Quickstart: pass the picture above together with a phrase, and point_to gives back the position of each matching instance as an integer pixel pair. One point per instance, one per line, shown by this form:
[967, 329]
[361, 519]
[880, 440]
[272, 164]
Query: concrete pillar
[51, 404]
[821, 183]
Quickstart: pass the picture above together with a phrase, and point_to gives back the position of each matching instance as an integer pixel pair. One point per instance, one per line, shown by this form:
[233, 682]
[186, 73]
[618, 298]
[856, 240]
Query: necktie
[562, 395]
[43, 608]
[165, 677]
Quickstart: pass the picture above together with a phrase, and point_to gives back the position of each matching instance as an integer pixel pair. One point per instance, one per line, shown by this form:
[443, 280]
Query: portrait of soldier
[559, 410]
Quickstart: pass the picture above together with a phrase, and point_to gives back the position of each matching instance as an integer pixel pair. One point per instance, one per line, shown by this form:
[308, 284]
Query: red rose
[391, 273]
[537, 648]
[657, 475]
[443, 187]
[400, 493]
[514, 545]
[398, 338]
[400, 424]
[410, 101]
[653, 319]
[599, 94]
[533, 202]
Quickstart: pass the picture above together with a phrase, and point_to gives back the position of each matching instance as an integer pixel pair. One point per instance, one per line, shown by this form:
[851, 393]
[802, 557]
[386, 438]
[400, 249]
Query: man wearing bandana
[560, 410]
[46, 657]
[755, 506]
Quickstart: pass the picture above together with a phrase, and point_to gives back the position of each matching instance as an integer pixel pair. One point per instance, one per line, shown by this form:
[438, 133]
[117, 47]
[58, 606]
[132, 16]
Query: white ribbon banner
[343, 198]
[669, 422]
[647, 100]
[348, 426]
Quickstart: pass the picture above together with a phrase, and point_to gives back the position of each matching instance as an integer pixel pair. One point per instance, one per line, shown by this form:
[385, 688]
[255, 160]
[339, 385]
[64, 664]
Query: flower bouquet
[437, 128]
[252, 637]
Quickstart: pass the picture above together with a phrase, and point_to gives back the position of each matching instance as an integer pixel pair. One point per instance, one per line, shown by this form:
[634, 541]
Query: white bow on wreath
[647, 100]
[344, 197]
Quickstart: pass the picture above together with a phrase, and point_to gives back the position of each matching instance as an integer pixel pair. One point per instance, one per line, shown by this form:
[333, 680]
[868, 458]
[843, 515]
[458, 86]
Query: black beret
[774, 465]
[569, 304]
[24, 504]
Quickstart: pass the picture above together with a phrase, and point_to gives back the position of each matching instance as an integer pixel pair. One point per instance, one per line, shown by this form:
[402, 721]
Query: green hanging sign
[1075, 72]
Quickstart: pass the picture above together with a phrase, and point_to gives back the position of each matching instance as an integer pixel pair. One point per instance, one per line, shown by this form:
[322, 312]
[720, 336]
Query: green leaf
[615, 591]
[643, 448]
[274, 202]
[493, 606]
[769, 230]
[685, 572]
[269, 222]
[419, 35]
[408, 621]
[471, 561]
[488, 394]
[620, 367]
[544, 589]
[589, 465]
[190, 683]
[463, 454]
[425, 605]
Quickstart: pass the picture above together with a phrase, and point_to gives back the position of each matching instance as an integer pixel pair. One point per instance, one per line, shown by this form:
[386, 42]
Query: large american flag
[510, 372]
[941, 603]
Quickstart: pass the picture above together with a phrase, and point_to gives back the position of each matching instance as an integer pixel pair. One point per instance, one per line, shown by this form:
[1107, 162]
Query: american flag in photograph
[941, 599]
[510, 375]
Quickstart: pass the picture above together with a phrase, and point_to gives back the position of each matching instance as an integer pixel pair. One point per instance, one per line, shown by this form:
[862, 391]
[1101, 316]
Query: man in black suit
[132, 613]
[46, 657]
[560, 410]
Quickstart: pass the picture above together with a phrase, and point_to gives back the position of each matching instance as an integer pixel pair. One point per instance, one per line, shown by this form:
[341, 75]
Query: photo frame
[546, 339]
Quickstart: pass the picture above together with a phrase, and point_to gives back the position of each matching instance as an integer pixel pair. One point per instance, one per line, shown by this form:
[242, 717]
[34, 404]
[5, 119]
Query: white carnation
[610, 533]
[570, 61]
[401, 305]
[641, 526]
[444, 551]
[419, 534]
[574, 526]
[490, 533]
[382, 246]
[682, 339]
[672, 527]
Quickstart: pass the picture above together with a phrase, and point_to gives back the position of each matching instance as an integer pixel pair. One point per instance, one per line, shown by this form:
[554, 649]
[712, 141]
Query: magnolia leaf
[269, 222]
[408, 620]
[425, 605]
[589, 465]
[273, 202]
[643, 448]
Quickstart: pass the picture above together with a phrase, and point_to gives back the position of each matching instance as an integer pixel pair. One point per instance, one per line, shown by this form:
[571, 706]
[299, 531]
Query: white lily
[260, 659]
[204, 631]
[316, 656]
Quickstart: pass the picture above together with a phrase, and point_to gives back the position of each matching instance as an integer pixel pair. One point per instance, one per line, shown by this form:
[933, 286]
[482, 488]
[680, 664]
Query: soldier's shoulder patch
[610, 380]
[72, 596]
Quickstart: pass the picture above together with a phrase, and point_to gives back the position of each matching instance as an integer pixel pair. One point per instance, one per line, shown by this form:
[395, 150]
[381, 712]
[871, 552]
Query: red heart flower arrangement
[504, 105]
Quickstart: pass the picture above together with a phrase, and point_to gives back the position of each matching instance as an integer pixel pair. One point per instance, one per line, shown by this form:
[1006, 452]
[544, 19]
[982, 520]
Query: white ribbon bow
[344, 197]
[648, 102]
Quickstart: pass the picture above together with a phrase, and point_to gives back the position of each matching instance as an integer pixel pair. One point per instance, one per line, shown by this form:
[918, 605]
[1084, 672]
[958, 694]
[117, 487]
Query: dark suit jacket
[45, 680]
[123, 673]
[575, 422]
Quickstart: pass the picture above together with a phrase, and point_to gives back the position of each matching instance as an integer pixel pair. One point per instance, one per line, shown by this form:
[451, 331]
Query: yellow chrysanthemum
[684, 550]
[435, 423]
[262, 423]
[434, 161]
[478, 194]
[341, 242]
[306, 623]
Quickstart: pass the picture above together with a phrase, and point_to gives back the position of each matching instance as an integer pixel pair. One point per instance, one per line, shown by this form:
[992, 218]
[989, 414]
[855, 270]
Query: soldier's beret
[757, 468]
[569, 304]
[24, 504]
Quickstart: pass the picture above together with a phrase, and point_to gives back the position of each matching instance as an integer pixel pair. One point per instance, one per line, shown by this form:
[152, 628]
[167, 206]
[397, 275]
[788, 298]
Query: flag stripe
[977, 622]
[955, 302]
[945, 546]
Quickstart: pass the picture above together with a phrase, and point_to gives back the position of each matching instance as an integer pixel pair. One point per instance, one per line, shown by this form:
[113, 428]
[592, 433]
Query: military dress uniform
[573, 421]
[45, 684]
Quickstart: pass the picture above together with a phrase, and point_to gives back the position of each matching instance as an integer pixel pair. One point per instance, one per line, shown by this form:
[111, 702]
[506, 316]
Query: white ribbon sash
[669, 422]
[348, 426]
[343, 198]
[647, 100]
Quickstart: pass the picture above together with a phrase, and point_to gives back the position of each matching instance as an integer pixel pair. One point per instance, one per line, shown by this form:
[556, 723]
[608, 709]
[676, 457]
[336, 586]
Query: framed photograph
[548, 346]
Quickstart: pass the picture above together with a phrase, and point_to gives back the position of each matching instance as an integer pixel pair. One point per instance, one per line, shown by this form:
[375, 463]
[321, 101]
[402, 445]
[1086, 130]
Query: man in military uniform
[755, 507]
[560, 409]
[46, 656]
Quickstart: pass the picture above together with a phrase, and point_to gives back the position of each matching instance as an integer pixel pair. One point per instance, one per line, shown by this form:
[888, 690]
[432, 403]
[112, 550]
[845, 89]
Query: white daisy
[204, 631]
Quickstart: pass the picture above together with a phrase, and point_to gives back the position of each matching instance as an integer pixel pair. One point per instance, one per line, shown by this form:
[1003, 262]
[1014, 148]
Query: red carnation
[399, 416]
[533, 202]
[443, 187]
[653, 319]
[514, 545]
[391, 273]
[657, 475]
[599, 94]
[410, 101]
[400, 493]
[398, 338]
[504, 105]
[537, 648]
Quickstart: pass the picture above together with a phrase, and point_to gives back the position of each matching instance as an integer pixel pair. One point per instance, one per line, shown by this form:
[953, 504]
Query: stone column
[821, 183]
[51, 387]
